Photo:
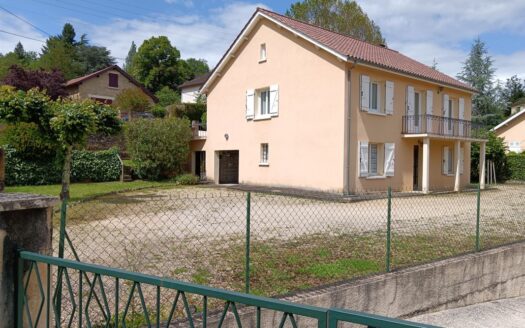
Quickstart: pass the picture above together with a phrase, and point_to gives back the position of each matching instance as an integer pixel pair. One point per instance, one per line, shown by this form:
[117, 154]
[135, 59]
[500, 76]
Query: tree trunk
[66, 174]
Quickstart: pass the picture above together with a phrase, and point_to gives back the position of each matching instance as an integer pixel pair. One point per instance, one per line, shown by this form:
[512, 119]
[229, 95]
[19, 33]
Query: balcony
[198, 130]
[441, 127]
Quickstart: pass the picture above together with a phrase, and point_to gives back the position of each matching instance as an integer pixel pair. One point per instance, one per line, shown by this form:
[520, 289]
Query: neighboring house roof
[79, 80]
[518, 102]
[348, 48]
[508, 120]
[197, 81]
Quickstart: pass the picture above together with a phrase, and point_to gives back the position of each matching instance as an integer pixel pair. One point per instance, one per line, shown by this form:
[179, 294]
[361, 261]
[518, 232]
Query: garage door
[229, 166]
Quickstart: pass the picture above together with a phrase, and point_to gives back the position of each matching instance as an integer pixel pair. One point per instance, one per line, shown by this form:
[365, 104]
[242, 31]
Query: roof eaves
[508, 120]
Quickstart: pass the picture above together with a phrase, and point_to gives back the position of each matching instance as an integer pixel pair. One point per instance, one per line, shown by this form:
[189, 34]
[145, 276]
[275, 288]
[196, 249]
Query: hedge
[516, 163]
[86, 166]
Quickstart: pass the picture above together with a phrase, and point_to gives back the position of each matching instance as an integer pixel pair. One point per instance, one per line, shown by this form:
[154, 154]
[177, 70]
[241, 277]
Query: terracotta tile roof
[81, 79]
[366, 52]
[198, 80]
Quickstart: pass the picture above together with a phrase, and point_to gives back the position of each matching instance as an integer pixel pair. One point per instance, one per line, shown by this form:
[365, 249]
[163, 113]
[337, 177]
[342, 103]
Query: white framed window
[514, 146]
[376, 160]
[262, 52]
[264, 102]
[264, 154]
[375, 97]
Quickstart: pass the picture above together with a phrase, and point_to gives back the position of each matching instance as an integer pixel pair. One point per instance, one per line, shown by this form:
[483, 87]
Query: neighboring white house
[517, 106]
[190, 90]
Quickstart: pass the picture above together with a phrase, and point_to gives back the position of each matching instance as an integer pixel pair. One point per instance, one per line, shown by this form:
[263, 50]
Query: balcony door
[413, 118]
[447, 115]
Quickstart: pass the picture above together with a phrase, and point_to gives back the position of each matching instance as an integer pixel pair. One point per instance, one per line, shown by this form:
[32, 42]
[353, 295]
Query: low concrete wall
[489, 275]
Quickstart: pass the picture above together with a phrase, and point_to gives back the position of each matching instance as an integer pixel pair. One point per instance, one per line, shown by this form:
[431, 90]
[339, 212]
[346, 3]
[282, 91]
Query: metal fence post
[247, 265]
[478, 205]
[61, 245]
[388, 228]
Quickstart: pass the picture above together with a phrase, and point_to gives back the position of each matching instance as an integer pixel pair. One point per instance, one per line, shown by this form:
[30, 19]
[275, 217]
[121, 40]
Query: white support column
[482, 165]
[426, 165]
[457, 157]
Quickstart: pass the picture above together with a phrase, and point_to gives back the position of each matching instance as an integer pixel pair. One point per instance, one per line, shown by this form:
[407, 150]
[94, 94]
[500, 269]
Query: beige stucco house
[512, 130]
[295, 105]
[104, 85]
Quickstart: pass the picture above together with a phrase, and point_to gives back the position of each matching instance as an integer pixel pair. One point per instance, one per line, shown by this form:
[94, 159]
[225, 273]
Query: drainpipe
[347, 183]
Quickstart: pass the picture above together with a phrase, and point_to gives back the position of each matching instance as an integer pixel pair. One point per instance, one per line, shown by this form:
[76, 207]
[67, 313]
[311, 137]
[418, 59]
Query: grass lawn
[81, 191]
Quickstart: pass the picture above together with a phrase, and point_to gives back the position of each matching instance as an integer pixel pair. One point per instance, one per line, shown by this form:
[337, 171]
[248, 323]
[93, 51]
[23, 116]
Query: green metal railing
[99, 281]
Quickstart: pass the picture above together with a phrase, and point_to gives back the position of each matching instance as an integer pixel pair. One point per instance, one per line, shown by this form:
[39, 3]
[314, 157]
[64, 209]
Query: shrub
[516, 163]
[187, 179]
[158, 111]
[86, 166]
[132, 100]
[97, 166]
[159, 147]
[28, 141]
[495, 151]
[193, 112]
[167, 96]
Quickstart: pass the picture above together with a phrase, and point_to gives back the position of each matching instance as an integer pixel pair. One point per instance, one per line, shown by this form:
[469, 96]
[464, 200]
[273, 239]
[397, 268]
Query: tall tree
[68, 34]
[478, 71]
[20, 51]
[197, 66]
[342, 16]
[62, 56]
[128, 64]
[93, 58]
[513, 90]
[156, 64]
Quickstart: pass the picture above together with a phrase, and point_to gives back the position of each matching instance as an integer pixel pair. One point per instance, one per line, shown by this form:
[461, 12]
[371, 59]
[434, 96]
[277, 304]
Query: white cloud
[427, 29]
[8, 41]
[194, 35]
[186, 3]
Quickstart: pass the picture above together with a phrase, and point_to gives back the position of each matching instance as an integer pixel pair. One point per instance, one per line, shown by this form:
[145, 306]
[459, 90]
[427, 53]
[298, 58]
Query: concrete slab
[507, 313]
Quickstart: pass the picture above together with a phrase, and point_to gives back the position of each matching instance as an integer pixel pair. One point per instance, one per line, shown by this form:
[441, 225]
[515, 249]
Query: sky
[425, 30]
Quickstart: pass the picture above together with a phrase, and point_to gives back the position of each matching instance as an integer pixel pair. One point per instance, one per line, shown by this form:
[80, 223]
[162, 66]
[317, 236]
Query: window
[375, 98]
[113, 80]
[514, 146]
[262, 52]
[448, 163]
[264, 102]
[372, 162]
[264, 154]
[417, 108]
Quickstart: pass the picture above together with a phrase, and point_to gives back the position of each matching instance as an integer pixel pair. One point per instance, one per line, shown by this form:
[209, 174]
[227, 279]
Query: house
[294, 105]
[512, 130]
[190, 90]
[517, 106]
[104, 85]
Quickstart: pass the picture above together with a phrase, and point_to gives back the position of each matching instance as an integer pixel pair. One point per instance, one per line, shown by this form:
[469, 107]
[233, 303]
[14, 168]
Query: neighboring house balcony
[198, 131]
[432, 126]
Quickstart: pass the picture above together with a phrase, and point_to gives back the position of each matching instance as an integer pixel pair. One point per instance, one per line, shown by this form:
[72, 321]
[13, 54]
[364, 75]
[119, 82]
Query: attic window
[262, 52]
[113, 80]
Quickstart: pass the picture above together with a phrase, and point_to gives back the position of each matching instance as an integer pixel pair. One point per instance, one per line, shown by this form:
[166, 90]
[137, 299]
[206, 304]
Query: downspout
[347, 176]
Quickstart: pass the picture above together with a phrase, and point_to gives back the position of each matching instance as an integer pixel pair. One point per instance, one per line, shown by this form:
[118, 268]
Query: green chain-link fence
[272, 243]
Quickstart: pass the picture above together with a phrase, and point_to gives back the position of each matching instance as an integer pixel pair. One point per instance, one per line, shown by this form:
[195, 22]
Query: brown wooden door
[229, 166]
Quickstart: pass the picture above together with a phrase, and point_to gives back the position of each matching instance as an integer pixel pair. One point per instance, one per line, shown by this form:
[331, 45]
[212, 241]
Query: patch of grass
[201, 276]
[79, 191]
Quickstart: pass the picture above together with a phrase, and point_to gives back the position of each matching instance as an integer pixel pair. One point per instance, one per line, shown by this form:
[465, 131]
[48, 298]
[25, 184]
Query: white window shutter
[461, 160]
[274, 100]
[445, 105]
[363, 158]
[410, 100]
[389, 98]
[445, 160]
[365, 93]
[461, 114]
[390, 158]
[430, 102]
[250, 103]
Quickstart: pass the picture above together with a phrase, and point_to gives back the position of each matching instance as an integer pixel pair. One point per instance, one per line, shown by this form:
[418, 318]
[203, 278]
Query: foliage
[159, 147]
[93, 58]
[128, 64]
[513, 90]
[18, 57]
[187, 179]
[27, 140]
[167, 96]
[156, 63]
[204, 119]
[86, 166]
[516, 163]
[132, 100]
[191, 111]
[158, 111]
[495, 151]
[345, 17]
[24, 79]
[478, 71]
[197, 66]
[60, 56]
[97, 166]
[73, 122]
